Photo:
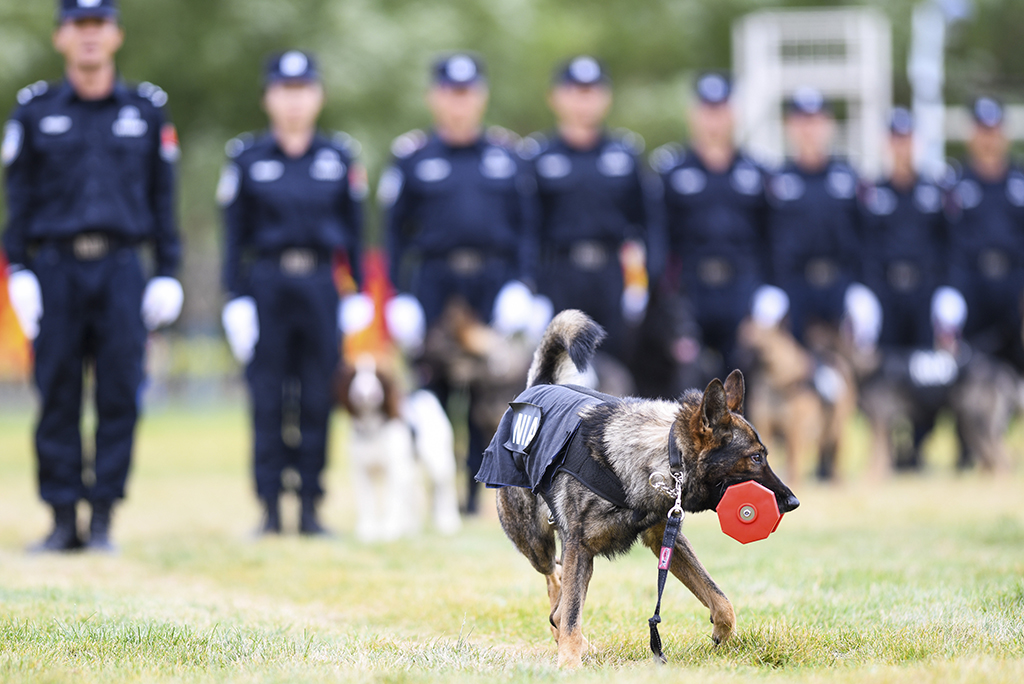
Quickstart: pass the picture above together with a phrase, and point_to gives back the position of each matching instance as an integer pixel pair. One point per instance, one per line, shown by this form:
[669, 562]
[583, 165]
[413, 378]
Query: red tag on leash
[665, 558]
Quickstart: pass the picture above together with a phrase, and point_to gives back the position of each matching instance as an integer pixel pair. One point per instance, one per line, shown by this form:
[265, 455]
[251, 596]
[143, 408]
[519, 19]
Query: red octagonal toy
[748, 512]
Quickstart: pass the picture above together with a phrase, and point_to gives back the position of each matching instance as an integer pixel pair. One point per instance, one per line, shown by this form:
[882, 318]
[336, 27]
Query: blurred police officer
[590, 199]
[905, 235]
[714, 212]
[456, 216]
[814, 226]
[89, 178]
[292, 201]
[987, 237]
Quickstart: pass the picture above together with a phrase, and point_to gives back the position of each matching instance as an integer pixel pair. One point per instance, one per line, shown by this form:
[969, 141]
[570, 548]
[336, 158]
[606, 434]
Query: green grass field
[914, 580]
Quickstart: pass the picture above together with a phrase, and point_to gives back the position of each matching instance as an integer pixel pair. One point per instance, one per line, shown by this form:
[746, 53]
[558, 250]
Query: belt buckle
[466, 262]
[715, 271]
[903, 276]
[298, 261]
[588, 255]
[994, 264]
[821, 273]
[90, 246]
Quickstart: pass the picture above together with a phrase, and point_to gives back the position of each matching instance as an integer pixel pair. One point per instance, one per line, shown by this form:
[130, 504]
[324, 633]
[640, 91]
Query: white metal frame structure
[846, 53]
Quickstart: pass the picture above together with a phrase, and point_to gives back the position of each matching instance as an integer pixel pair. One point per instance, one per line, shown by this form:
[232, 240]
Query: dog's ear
[713, 407]
[734, 391]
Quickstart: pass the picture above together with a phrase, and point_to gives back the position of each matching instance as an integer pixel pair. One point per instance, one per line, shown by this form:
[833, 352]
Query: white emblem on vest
[389, 187]
[227, 186]
[129, 123]
[745, 179]
[1015, 190]
[266, 171]
[327, 166]
[881, 201]
[55, 124]
[433, 170]
[524, 429]
[927, 198]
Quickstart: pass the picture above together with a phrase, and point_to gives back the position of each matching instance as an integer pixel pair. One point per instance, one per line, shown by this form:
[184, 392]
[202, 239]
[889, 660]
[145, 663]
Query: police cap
[583, 70]
[69, 10]
[807, 101]
[901, 122]
[713, 88]
[293, 65]
[459, 70]
[988, 112]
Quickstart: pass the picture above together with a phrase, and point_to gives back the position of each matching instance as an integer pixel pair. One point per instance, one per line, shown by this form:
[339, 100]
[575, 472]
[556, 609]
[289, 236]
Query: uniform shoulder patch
[502, 137]
[533, 145]
[31, 92]
[632, 140]
[665, 157]
[237, 145]
[153, 93]
[409, 143]
[347, 144]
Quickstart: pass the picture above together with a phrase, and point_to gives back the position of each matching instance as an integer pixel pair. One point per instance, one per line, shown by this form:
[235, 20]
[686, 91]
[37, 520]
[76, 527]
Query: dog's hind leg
[688, 569]
[578, 567]
[524, 517]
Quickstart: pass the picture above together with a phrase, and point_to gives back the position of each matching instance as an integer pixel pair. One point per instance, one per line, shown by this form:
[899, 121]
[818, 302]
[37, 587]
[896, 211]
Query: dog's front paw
[725, 624]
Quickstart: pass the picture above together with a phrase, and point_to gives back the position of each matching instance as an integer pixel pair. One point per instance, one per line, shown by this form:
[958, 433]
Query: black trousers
[596, 292]
[91, 314]
[298, 349]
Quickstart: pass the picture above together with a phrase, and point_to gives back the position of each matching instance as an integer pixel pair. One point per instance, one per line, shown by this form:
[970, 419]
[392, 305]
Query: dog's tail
[565, 351]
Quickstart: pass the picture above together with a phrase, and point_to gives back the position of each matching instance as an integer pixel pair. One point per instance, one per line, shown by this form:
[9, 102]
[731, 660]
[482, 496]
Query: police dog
[630, 437]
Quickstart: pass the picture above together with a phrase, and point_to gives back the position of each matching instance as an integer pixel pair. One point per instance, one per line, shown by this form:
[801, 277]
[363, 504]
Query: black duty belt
[588, 255]
[994, 264]
[821, 272]
[298, 262]
[715, 271]
[903, 276]
[91, 245]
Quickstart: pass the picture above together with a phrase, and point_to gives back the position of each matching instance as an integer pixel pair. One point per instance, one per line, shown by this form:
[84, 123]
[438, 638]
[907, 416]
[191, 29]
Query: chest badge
[266, 171]
[433, 170]
[689, 181]
[614, 163]
[497, 163]
[55, 124]
[746, 180]
[13, 137]
[840, 184]
[554, 166]
[129, 123]
[327, 166]
[788, 187]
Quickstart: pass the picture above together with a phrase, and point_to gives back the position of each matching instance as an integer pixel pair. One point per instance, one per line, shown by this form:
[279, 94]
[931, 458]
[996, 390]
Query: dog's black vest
[539, 436]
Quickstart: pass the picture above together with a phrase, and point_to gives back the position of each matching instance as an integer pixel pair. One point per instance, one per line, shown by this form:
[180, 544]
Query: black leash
[668, 541]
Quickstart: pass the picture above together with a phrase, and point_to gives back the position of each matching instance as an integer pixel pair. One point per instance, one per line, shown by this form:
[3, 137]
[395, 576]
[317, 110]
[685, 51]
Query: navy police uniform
[589, 201]
[814, 233]
[905, 252]
[714, 227]
[286, 220]
[456, 216]
[89, 181]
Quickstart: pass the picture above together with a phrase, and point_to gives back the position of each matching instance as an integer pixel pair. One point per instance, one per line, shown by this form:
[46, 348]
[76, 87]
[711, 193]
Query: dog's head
[365, 388]
[721, 448]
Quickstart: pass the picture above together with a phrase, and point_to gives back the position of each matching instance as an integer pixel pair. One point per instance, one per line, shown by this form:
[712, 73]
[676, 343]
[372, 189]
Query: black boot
[99, 528]
[64, 536]
[309, 520]
[271, 517]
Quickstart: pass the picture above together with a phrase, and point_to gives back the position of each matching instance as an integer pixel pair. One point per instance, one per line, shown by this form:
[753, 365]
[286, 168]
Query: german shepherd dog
[630, 437]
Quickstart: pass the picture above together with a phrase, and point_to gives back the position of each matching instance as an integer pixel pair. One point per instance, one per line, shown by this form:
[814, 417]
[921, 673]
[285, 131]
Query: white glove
[513, 308]
[770, 305]
[26, 300]
[242, 326]
[541, 313]
[949, 310]
[161, 302]
[355, 313]
[634, 304]
[407, 324]
[865, 314]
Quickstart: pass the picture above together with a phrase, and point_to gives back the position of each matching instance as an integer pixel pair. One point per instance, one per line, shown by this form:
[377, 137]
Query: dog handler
[90, 177]
[293, 203]
[591, 199]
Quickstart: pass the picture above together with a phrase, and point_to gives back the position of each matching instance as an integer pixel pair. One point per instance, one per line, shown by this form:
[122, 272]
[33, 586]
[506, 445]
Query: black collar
[675, 457]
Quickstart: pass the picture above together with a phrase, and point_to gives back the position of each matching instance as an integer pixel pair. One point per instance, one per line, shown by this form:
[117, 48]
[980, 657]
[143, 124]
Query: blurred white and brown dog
[393, 442]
